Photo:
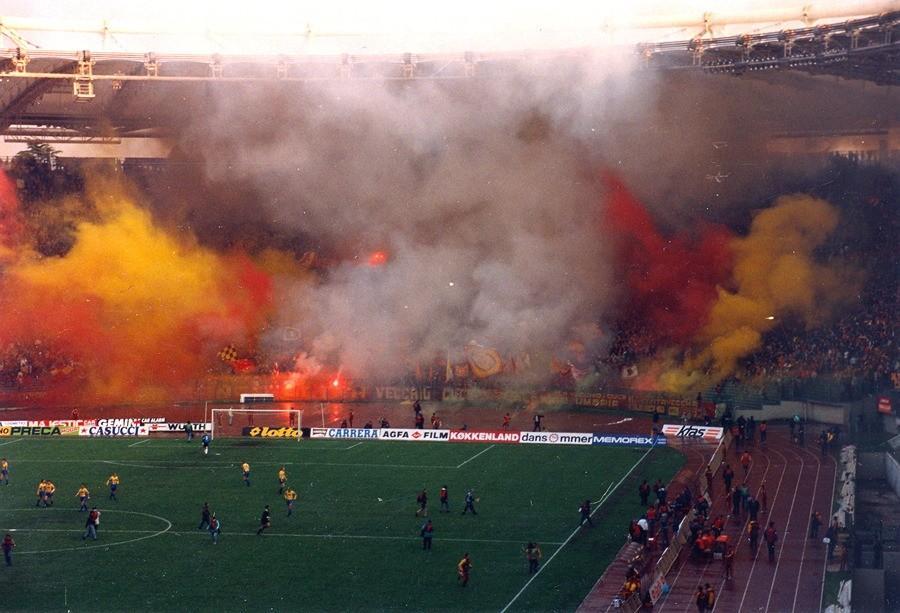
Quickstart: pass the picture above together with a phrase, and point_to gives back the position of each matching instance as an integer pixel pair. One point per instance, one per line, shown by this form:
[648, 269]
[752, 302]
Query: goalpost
[257, 423]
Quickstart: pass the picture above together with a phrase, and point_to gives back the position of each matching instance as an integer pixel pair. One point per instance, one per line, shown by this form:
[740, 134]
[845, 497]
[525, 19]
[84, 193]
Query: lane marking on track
[787, 524]
[831, 514]
[574, 532]
[11, 442]
[104, 545]
[761, 544]
[812, 503]
[475, 456]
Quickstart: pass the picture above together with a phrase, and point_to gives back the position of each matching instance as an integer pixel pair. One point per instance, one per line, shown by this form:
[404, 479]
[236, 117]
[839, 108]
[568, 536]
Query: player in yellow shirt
[4, 471]
[289, 497]
[49, 490]
[41, 494]
[113, 483]
[245, 471]
[83, 495]
[282, 480]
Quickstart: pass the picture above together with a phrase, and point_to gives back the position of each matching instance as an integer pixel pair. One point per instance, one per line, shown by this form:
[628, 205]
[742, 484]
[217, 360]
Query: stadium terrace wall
[822, 412]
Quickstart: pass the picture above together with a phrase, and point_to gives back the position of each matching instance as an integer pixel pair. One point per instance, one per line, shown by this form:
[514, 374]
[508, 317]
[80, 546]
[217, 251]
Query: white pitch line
[475, 456]
[213, 464]
[11, 442]
[146, 440]
[574, 532]
[204, 533]
[352, 446]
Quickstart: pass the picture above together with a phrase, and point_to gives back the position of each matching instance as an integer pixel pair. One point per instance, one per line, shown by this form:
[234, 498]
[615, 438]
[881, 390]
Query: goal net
[257, 423]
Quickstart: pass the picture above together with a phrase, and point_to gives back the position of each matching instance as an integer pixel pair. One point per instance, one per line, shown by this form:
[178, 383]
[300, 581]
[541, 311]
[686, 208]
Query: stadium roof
[112, 78]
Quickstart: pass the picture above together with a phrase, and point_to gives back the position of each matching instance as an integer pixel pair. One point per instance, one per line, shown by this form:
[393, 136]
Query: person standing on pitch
[113, 483]
[204, 517]
[585, 510]
[289, 497]
[427, 533]
[83, 496]
[215, 529]
[445, 500]
[265, 521]
[205, 440]
[8, 545]
[533, 555]
[245, 472]
[4, 471]
[93, 520]
[463, 567]
[189, 431]
[422, 501]
[470, 503]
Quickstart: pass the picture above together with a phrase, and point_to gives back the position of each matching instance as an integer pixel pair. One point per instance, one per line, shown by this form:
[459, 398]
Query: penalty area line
[475, 456]
[12, 441]
[575, 531]
[146, 440]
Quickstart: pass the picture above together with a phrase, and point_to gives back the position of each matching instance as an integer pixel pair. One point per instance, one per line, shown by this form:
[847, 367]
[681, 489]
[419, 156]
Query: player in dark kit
[427, 533]
[204, 517]
[265, 521]
[445, 499]
[422, 500]
[585, 510]
[470, 503]
[462, 570]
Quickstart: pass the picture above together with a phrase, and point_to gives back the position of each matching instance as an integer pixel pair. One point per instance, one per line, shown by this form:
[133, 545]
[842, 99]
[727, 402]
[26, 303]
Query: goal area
[256, 423]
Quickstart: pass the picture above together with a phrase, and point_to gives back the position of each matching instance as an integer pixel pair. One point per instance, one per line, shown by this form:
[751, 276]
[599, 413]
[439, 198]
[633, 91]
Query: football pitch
[352, 543]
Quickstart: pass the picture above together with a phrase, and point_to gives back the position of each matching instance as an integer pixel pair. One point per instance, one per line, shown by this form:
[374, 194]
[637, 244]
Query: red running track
[798, 482]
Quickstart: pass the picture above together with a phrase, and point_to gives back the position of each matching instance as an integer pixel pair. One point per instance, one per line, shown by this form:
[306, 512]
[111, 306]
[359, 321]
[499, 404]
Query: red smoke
[10, 223]
[671, 280]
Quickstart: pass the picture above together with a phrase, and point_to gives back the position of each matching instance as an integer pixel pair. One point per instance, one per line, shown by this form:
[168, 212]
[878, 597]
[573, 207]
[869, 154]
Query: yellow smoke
[141, 308]
[775, 275]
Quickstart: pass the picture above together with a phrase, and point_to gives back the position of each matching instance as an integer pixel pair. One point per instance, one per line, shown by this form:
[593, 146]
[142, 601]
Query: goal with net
[257, 423]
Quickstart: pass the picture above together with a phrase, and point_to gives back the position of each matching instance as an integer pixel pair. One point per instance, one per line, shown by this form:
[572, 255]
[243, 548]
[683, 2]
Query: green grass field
[342, 550]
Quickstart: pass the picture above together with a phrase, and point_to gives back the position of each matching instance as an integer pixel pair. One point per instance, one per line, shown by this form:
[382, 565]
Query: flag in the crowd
[630, 371]
[484, 361]
[228, 354]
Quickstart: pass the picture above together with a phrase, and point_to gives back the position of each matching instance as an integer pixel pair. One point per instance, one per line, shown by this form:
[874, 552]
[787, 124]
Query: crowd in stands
[23, 365]
[862, 343]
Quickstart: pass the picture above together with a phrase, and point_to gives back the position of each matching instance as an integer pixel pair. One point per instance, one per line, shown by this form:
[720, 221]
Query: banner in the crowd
[415, 435]
[630, 440]
[363, 433]
[484, 436]
[884, 405]
[271, 432]
[556, 438]
[706, 433]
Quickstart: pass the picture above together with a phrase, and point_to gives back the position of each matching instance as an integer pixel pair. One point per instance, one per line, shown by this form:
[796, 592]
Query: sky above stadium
[359, 26]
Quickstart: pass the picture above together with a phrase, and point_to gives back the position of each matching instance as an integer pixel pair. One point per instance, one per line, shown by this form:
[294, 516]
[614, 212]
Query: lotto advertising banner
[271, 432]
[414, 435]
[556, 438]
[484, 436]
[705, 433]
[630, 440]
[364, 433]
